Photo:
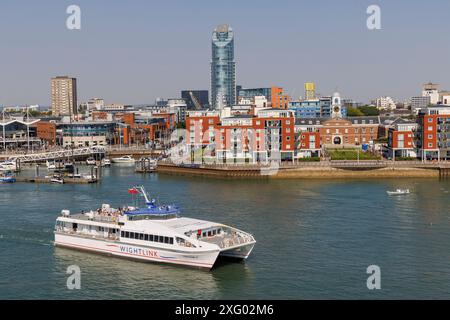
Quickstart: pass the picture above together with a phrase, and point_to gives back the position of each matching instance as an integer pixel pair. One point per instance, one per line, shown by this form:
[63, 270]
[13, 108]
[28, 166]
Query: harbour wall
[303, 172]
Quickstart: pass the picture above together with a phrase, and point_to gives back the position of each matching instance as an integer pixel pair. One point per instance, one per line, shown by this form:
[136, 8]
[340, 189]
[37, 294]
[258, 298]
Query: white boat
[51, 165]
[7, 177]
[91, 162]
[151, 234]
[398, 192]
[8, 166]
[56, 179]
[124, 159]
[106, 162]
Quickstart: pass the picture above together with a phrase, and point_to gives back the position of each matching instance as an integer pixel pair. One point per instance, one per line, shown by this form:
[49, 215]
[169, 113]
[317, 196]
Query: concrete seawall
[304, 172]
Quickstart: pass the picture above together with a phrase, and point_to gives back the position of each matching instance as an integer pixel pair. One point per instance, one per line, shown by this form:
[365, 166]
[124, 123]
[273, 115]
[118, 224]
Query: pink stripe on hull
[162, 259]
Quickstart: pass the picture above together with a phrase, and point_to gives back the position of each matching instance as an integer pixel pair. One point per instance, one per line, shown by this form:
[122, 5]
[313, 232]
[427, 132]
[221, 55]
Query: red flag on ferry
[132, 191]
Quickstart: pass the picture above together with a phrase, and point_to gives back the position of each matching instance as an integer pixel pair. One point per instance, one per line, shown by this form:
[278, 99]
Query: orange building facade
[279, 100]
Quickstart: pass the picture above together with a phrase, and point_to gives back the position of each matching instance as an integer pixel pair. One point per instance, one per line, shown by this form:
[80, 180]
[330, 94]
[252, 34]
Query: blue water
[315, 239]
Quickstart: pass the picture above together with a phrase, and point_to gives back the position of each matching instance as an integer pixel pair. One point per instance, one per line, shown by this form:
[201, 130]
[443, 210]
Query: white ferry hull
[203, 260]
[240, 252]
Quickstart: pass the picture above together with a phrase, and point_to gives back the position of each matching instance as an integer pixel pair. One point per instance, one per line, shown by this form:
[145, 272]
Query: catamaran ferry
[155, 233]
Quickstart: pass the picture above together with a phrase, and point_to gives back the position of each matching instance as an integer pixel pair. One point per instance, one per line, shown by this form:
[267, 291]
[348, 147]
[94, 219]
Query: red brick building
[401, 139]
[46, 131]
[433, 133]
[267, 135]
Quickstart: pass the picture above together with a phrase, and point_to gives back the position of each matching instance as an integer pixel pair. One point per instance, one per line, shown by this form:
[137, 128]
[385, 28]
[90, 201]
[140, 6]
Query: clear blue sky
[135, 51]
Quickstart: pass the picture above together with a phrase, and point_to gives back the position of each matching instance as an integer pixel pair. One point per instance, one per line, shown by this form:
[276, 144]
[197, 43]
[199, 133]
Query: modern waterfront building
[433, 133]
[318, 108]
[196, 99]
[85, 133]
[306, 109]
[18, 132]
[401, 139]
[223, 68]
[64, 96]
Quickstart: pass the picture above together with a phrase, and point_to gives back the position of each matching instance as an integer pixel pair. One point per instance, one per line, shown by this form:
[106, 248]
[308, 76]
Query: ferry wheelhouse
[154, 233]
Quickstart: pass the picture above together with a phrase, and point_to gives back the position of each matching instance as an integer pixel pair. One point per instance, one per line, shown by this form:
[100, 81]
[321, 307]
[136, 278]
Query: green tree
[354, 112]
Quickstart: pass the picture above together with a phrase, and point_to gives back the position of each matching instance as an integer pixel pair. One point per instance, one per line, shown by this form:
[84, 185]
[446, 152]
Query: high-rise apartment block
[223, 68]
[64, 96]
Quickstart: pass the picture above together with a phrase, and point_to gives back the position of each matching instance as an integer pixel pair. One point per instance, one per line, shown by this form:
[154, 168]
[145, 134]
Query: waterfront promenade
[314, 170]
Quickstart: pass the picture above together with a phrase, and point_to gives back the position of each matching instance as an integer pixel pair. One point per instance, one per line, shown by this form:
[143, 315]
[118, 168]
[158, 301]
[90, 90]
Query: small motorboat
[398, 192]
[123, 160]
[8, 166]
[106, 163]
[7, 178]
[91, 162]
[57, 179]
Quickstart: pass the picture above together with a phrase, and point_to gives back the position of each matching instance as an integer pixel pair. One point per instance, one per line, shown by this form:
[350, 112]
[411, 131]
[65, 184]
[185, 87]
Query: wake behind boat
[153, 233]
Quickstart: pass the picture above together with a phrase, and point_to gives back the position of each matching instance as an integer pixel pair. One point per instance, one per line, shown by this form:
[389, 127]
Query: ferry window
[141, 236]
[151, 237]
[122, 234]
[171, 240]
[214, 232]
[136, 236]
[127, 234]
[132, 235]
[146, 237]
[209, 234]
[166, 239]
[156, 238]
[204, 234]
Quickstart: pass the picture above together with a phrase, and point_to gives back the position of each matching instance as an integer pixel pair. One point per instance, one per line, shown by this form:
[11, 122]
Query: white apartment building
[431, 90]
[385, 103]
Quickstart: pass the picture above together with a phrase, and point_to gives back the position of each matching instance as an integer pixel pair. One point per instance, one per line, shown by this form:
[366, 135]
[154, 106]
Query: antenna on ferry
[143, 193]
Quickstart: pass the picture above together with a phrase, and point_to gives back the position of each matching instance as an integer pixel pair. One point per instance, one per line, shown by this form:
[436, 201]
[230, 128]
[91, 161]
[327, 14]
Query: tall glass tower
[223, 68]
